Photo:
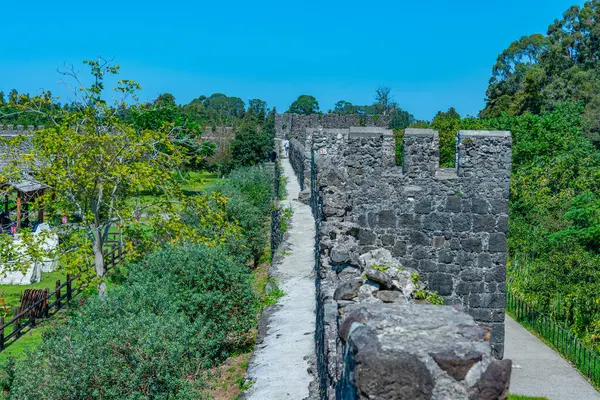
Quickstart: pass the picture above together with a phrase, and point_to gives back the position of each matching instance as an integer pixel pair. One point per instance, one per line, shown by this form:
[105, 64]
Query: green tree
[251, 144]
[258, 107]
[447, 124]
[96, 165]
[343, 107]
[305, 104]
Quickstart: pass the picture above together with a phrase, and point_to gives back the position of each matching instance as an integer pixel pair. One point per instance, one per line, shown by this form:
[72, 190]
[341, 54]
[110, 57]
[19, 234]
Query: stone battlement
[12, 130]
[478, 152]
[294, 125]
[447, 224]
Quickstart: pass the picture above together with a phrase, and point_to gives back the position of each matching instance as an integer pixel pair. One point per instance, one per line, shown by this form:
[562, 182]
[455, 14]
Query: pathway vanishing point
[279, 366]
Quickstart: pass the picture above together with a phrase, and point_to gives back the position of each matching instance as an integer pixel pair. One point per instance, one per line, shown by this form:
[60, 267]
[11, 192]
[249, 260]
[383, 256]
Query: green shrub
[256, 184]
[113, 349]
[250, 194]
[180, 311]
[204, 283]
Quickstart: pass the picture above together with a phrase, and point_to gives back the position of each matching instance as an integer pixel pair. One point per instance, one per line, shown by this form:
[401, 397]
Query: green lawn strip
[519, 397]
[197, 180]
[12, 293]
[191, 184]
[29, 341]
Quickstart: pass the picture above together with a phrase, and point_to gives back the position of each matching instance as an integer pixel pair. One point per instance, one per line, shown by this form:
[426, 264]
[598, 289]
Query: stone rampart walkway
[279, 367]
[539, 371]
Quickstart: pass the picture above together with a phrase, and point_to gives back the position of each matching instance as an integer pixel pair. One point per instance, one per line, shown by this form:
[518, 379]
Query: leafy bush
[180, 311]
[113, 349]
[251, 145]
[205, 284]
[250, 193]
[256, 184]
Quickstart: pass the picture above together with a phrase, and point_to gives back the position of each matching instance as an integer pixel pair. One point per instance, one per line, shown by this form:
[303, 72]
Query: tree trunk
[99, 262]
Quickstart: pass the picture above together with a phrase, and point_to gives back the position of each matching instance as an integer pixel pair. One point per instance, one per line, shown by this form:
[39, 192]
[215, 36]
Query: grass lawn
[192, 183]
[12, 293]
[519, 397]
[195, 181]
[18, 349]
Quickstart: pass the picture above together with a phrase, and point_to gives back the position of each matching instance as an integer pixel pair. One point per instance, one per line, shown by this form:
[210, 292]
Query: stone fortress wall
[12, 130]
[295, 125]
[448, 225]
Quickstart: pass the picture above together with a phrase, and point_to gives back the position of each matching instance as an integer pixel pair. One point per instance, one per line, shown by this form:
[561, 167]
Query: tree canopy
[304, 104]
[538, 72]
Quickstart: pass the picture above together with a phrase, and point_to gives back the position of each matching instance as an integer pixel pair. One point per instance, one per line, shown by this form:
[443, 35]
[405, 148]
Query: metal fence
[581, 356]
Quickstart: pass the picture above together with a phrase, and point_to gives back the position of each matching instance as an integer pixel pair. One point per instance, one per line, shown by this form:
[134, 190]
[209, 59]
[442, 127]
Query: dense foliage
[176, 313]
[249, 191]
[304, 104]
[538, 72]
[545, 89]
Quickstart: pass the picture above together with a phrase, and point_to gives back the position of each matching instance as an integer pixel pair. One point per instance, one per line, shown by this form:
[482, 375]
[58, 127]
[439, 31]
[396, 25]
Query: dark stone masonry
[433, 228]
[296, 125]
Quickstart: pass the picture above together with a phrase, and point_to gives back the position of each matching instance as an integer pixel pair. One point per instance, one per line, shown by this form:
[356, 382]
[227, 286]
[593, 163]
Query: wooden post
[69, 290]
[41, 209]
[26, 221]
[57, 294]
[17, 322]
[1, 332]
[18, 212]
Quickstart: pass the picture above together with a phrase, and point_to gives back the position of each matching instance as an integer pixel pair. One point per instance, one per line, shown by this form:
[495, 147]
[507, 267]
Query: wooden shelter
[28, 191]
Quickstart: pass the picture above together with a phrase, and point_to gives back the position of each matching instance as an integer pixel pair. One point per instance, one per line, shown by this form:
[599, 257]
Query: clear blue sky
[433, 54]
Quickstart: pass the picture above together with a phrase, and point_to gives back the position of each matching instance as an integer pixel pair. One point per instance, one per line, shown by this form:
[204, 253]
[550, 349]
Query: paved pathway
[539, 371]
[279, 364]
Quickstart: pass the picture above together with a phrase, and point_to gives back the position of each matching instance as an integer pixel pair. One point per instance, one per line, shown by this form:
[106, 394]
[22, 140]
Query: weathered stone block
[399, 249]
[471, 244]
[484, 223]
[392, 351]
[442, 283]
[387, 219]
[348, 290]
[446, 256]
[453, 204]
[409, 221]
[428, 266]
[418, 238]
[461, 222]
[388, 240]
[497, 243]
[484, 261]
[502, 225]
[436, 222]
[480, 206]
[366, 237]
[423, 206]
[438, 241]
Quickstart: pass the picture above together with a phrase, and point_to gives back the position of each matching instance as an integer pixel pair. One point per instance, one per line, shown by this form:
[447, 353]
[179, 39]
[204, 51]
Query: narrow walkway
[539, 371]
[279, 366]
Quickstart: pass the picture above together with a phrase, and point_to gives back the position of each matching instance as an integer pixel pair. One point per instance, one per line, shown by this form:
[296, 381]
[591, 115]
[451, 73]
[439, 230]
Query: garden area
[177, 319]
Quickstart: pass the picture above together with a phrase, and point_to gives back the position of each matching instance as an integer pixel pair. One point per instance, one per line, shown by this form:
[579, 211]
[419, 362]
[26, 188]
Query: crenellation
[448, 224]
[12, 130]
[295, 125]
